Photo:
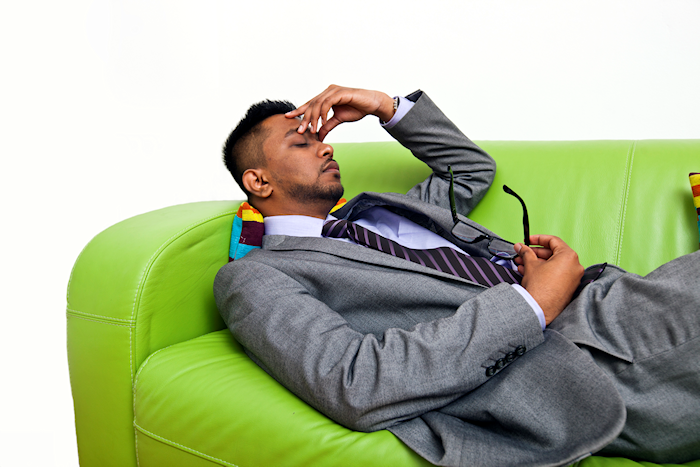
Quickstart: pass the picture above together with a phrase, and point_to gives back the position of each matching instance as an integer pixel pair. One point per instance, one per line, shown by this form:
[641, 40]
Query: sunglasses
[470, 235]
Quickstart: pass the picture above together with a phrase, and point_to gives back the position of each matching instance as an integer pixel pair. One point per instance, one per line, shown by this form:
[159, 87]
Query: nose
[325, 150]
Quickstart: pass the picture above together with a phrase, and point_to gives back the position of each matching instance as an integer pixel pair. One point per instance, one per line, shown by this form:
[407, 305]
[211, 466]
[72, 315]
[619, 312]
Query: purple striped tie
[443, 259]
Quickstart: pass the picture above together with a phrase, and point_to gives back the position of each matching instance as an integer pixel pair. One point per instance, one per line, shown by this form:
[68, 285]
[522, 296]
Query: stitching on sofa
[136, 445]
[106, 318]
[143, 365]
[84, 318]
[149, 264]
[184, 448]
[133, 391]
[145, 362]
[133, 400]
[625, 196]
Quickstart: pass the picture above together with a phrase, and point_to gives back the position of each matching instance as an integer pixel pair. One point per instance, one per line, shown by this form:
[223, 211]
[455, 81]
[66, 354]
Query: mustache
[330, 164]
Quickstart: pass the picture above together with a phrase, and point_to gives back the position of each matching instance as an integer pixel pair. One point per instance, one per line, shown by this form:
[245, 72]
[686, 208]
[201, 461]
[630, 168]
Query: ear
[257, 183]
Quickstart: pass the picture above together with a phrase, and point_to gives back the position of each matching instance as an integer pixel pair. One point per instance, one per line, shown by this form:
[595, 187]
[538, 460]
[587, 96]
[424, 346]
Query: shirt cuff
[533, 304]
[404, 106]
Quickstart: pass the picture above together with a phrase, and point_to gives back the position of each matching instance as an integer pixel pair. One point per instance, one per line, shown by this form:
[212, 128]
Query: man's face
[301, 167]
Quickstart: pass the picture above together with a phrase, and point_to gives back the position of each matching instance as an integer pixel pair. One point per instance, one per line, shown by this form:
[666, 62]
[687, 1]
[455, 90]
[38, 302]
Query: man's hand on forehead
[348, 104]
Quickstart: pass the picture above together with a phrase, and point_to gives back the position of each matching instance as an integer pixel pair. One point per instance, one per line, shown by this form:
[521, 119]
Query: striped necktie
[444, 259]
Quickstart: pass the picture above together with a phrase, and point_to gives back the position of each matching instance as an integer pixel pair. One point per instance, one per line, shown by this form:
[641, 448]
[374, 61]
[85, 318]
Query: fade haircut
[243, 148]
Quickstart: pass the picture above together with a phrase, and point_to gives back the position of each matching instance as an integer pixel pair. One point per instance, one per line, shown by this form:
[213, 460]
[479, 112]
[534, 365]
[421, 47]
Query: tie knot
[335, 229]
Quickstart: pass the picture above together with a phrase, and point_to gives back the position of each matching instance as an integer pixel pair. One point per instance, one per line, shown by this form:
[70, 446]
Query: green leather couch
[158, 380]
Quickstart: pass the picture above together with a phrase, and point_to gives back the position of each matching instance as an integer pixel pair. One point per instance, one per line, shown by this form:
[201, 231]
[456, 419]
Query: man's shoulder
[278, 250]
[256, 261]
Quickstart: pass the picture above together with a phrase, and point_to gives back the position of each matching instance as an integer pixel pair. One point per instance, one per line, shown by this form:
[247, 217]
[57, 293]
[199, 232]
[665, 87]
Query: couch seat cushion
[207, 398]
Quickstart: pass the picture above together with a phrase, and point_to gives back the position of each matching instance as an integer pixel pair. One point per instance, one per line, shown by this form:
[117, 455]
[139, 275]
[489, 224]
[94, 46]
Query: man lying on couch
[397, 312]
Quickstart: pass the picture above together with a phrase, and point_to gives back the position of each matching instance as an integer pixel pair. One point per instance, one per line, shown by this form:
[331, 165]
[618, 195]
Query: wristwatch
[396, 107]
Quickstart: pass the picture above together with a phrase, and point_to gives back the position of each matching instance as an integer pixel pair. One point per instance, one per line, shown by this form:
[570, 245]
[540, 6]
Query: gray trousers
[644, 332]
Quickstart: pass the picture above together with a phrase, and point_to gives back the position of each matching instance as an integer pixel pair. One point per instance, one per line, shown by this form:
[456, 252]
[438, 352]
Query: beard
[315, 193]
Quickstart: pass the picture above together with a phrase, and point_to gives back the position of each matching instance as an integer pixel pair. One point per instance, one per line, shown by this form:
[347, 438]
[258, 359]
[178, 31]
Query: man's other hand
[550, 273]
[348, 104]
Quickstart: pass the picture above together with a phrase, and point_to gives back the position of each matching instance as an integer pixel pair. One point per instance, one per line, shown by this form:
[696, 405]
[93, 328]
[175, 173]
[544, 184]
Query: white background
[113, 108]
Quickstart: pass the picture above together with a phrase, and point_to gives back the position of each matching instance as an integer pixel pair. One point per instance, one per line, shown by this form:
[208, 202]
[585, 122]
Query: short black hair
[243, 147]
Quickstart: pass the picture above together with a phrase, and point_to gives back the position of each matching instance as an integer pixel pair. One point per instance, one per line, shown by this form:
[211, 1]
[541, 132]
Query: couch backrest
[624, 202]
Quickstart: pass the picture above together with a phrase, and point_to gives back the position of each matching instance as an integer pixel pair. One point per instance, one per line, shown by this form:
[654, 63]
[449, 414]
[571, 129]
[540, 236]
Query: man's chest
[374, 297]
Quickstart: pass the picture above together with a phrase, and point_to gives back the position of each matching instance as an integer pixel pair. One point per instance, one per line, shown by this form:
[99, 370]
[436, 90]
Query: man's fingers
[550, 242]
[296, 112]
[325, 110]
[543, 253]
[310, 112]
[326, 127]
[347, 105]
[321, 105]
[527, 259]
[525, 253]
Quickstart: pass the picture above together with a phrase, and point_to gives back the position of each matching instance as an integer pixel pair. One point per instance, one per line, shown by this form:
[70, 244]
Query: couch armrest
[139, 286]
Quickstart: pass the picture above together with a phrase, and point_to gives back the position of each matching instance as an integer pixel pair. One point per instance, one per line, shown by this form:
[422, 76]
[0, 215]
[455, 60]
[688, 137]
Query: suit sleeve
[363, 381]
[435, 140]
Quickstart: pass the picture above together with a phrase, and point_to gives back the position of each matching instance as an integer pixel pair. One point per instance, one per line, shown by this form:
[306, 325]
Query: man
[464, 373]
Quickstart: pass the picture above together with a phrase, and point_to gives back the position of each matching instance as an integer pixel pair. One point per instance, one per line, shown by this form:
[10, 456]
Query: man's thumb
[525, 252]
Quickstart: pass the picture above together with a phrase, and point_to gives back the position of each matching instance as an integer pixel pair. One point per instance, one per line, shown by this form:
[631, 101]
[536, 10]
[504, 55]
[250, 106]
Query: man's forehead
[282, 126]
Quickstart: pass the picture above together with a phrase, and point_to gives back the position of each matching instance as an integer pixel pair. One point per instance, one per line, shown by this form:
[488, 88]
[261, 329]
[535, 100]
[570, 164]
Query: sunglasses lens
[497, 247]
[501, 249]
[467, 233]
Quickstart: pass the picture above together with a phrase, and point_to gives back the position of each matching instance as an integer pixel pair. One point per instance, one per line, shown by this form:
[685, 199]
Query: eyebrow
[293, 131]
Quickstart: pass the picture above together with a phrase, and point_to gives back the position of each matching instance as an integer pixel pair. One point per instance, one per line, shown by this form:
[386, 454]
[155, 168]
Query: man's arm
[364, 382]
[435, 139]
[424, 130]
[552, 272]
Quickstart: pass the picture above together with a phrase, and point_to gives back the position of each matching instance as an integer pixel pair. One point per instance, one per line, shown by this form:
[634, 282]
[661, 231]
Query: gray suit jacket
[377, 342]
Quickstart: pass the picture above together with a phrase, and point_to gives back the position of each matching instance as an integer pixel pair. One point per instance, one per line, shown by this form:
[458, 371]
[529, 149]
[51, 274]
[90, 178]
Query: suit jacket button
[510, 356]
[520, 350]
[490, 371]
[500, 364]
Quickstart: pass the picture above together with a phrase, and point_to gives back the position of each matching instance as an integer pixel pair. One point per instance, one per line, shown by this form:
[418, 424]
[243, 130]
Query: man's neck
[294, 226]
[292, 209]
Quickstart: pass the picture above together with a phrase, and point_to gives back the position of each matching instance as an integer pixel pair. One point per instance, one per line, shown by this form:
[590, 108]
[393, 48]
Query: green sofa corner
[157, 379]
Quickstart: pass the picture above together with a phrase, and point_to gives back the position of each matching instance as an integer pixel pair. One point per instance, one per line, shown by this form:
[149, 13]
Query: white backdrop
[114, 108]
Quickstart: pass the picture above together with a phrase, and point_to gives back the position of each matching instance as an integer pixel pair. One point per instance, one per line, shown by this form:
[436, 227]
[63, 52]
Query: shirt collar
[295, 226]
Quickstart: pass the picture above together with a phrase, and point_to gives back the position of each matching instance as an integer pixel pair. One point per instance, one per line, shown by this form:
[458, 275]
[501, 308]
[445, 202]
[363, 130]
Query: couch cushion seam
[101, 317]
[181, 446]
[148, 359]
[625, 196]
[99, 321]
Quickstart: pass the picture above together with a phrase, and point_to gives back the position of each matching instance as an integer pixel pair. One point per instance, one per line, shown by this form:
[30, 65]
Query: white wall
[113, 108]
